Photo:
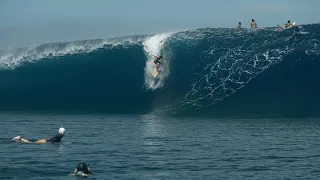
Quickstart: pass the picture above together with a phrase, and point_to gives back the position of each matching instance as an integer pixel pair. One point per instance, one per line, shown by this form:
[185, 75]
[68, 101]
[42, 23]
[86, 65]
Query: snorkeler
[57, 138]
[82, 168]
[157, 61]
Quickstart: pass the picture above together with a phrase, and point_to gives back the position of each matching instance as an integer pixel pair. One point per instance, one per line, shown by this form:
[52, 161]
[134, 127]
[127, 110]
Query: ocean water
[216, 72]
[227, 104]
[150, 147]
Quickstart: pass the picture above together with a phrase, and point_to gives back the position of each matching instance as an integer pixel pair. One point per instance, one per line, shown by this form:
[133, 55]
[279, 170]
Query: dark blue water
[207, 72]
[149, 147]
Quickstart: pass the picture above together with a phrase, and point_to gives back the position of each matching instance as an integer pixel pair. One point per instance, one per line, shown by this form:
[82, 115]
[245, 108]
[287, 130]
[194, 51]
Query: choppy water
[149, 147]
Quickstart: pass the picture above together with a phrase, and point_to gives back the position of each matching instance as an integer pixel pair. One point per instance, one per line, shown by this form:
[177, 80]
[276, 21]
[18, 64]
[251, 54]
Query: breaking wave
[217, 72]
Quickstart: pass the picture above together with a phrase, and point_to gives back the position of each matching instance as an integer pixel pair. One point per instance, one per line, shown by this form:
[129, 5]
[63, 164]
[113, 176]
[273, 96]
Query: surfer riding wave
[157, 61]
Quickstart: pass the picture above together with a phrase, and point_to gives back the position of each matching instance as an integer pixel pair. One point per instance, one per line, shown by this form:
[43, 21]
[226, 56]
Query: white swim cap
[61, 130]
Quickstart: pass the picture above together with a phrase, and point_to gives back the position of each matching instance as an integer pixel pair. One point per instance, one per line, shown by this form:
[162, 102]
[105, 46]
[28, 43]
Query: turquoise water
[151, 147]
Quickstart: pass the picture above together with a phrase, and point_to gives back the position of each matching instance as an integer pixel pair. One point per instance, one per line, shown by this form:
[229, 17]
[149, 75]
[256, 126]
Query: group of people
[82, 167]
[254, 25]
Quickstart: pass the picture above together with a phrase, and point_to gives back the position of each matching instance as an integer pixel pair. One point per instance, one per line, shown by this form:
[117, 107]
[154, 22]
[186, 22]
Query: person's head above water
[252, 20]
[288, 21]
[82, 166]
[240, 23]
[61, 131]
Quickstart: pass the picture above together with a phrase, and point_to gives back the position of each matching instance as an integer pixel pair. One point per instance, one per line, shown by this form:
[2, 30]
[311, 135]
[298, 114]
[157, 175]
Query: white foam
[153, 46]
[14, 58]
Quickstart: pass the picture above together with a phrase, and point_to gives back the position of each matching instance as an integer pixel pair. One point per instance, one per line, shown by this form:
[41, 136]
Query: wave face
[215, 72]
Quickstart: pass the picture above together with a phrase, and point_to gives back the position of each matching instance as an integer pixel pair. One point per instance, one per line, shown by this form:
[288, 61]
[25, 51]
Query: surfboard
[155, 73]
[79, 174]
[83, 174]
[279, 28]
[294, 23]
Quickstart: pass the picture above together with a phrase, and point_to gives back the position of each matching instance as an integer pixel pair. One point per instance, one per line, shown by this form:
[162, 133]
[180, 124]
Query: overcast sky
[32, 22]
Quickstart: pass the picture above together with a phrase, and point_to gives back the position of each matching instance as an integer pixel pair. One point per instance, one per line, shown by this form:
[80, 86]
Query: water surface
[151, 147]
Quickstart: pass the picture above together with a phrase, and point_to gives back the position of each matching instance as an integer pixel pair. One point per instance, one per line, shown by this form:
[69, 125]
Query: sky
[34, 22]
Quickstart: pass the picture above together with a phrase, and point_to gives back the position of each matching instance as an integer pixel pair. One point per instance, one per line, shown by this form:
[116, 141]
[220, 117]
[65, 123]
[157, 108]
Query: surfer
[239, 25]
[287, 25]
[253, 24]
[157, 61]
[57, 138]
[82, 168]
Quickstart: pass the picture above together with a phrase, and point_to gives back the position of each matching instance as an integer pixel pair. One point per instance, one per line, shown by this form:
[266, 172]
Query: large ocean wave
[217, 72]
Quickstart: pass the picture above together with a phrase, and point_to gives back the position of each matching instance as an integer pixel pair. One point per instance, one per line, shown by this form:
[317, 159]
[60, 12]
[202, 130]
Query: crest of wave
[13, 58]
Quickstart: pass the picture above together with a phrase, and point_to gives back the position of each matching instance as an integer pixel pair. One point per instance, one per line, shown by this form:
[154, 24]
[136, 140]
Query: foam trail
[153, 46]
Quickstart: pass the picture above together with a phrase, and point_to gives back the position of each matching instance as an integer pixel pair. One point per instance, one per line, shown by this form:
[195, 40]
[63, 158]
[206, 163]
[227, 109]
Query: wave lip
[14, 58]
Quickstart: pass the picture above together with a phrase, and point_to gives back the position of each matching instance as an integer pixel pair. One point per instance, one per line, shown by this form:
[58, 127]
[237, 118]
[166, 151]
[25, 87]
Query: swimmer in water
[82, 168]
[253, 24]
[55, 139]
[239, 25]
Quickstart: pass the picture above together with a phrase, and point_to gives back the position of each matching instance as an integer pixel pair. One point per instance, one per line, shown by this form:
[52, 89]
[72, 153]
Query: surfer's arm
[75, 171]
[89, 170]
